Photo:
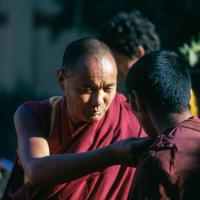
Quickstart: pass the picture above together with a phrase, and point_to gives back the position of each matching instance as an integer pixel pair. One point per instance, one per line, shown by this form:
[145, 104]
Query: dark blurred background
[34, 34]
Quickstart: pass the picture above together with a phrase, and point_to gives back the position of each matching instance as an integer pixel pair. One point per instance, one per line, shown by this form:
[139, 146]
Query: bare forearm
[66, 167]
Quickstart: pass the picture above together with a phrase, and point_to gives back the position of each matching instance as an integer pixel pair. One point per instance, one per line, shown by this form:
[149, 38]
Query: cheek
[109, 98]
[79, 102]
[74, 97]
[78, 107]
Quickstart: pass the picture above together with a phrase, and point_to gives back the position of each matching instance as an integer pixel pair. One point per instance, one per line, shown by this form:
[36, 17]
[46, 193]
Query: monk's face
[90, 88]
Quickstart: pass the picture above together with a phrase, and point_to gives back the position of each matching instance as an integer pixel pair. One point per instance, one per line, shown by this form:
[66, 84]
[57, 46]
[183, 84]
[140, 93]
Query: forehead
[95, 65]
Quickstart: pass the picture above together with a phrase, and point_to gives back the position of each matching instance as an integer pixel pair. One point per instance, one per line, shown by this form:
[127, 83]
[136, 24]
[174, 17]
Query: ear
[136, 102]
[141, 50]
[61, 77]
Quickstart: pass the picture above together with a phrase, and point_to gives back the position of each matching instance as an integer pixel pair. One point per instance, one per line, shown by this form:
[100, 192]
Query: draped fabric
[111, 183]
[170, 170]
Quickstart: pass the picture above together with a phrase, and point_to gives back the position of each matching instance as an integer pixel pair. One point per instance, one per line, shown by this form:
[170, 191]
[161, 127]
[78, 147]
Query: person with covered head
[130, 36]
[79, 146]
[159, 91]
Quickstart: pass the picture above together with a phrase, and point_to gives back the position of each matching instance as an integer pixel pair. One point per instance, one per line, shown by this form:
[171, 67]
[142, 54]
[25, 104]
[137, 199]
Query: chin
[96, 118]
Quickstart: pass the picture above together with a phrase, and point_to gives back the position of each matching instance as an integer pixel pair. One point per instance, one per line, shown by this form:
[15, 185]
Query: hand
[128, 152]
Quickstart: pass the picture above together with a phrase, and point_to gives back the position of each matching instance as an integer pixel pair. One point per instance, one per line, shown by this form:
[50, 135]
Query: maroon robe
[171, 168]
[111, 183]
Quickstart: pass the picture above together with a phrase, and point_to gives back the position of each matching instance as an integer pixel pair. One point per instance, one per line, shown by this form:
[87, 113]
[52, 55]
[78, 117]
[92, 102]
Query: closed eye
[109, 89]
[86, 90]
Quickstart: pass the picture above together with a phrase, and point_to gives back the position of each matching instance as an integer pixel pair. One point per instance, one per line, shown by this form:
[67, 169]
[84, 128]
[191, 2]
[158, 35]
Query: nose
[97, 98]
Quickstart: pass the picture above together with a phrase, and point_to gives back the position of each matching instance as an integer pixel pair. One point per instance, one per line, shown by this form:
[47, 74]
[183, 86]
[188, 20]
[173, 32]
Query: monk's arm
[42, 168]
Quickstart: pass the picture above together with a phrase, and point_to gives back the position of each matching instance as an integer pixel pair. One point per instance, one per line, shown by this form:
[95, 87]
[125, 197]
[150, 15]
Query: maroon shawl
[171, 168]
[111, 183]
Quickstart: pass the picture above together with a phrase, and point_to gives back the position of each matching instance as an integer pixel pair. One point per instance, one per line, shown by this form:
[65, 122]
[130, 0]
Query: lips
[96, 111]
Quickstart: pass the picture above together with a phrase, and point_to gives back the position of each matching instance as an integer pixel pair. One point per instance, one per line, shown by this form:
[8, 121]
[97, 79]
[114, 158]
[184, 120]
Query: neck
[163, 122]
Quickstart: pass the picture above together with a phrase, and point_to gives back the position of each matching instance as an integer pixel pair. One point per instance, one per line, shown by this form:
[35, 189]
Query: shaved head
[83, 49]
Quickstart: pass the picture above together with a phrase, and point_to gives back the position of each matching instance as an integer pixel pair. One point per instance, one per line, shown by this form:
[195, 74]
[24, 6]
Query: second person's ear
[61, 77]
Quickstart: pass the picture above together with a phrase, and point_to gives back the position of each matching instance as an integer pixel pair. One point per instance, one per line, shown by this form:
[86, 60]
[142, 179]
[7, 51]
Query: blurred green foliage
[191, 52]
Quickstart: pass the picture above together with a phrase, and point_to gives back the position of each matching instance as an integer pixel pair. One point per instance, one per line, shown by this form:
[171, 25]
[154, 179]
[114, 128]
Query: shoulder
[120, 97]
[38, 111]
[38, 106]
[150, 171]
[192, 123]
[151, 180]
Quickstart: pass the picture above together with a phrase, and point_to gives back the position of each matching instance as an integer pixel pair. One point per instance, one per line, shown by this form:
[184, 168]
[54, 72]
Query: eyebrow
[92, 85]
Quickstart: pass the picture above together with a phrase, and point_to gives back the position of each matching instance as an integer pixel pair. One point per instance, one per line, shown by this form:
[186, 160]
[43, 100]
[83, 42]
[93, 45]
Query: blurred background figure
[130, 36]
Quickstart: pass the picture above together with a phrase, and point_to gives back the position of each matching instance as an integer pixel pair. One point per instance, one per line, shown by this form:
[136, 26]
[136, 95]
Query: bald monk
[79, 146]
